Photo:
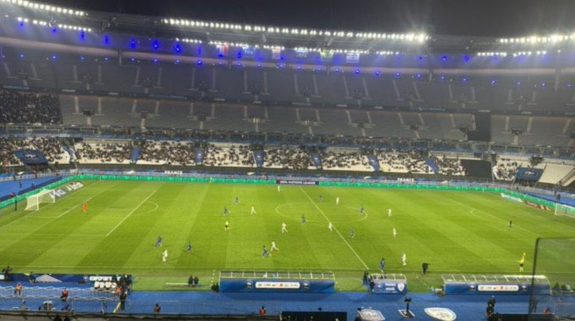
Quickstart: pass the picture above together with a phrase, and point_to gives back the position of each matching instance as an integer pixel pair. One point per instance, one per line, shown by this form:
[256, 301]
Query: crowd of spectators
[506, 169]
[52, 148]
[29, 108]
[178, 153]
[349, 160]
[103, 152]
[7, 150]
[412, 163]
[229, 156]
[167, 153]
[287, 158]
[449, 166]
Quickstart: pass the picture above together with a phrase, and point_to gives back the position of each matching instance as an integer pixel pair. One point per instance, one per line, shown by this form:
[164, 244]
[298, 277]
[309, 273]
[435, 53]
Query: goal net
[564, 210]
[554, 259]
[45, 196]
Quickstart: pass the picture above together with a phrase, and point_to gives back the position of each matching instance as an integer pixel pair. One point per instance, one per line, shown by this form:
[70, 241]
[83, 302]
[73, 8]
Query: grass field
[459, 232]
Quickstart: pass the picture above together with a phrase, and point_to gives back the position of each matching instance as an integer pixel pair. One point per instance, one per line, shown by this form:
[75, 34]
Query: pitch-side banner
[295, 182]
[277, 286]
[519, 288]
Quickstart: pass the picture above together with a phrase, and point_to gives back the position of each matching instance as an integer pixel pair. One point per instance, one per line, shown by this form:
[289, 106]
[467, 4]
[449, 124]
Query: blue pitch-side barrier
[565, 200]
[273, 285]
[254, 282]
[388, 284]
[496, 284]
[9, 187]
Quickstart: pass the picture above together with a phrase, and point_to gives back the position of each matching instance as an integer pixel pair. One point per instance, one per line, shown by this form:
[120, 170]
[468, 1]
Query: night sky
[447, 17]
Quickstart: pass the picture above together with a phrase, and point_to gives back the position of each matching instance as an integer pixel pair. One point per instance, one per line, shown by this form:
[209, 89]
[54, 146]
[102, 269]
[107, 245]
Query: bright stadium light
[388, 53]
[42, 7]
[75, 28]
[529, 53]
[188, 40]
[492, 54]
[407, 37]
[59, 26]
[536, 39]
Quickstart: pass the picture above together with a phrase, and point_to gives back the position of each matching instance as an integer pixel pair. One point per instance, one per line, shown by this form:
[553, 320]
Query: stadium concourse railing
[163, 177]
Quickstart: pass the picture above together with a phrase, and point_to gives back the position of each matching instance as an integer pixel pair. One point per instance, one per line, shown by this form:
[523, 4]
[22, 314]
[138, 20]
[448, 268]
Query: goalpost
[564, 210]
[44, 196]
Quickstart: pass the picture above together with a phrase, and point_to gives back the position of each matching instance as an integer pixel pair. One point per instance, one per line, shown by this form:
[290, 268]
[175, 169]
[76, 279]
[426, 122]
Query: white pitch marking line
[335, 229]
[69, 210]
[474, 211]
[131, 212]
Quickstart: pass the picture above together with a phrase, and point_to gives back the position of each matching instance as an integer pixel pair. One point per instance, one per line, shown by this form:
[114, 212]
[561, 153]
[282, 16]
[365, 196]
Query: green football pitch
[456, 232]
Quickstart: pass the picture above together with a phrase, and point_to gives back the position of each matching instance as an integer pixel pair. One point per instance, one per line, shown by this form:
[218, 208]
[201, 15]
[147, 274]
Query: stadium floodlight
[535, 39]
[39, 22]
[529, 53]
[492, 54]
[410, 37]
[189, 40]
[272, 47]
[42, 7]
[60, 26]
[388, 53]
[75, 28]
[232, 44]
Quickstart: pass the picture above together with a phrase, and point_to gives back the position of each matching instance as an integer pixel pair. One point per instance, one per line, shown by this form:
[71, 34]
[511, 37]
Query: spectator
[123, 298]
[64, 295]
[7, 271]
[18, 289]
[29, 108]
[157, 308]
[262, 311]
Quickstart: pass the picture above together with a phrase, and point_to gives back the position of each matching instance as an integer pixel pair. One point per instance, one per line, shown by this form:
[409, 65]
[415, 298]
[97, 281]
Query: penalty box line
[336, 230]
[131, 212]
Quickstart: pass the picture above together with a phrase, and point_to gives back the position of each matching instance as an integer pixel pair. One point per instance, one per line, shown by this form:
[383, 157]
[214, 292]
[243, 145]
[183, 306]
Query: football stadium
[165, 166]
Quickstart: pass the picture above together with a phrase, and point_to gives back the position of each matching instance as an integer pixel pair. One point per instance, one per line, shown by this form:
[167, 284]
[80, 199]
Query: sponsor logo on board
[277, 285]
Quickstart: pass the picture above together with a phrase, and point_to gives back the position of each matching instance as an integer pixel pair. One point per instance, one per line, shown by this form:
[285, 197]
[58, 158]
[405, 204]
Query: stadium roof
[509, 18]
[382, 27]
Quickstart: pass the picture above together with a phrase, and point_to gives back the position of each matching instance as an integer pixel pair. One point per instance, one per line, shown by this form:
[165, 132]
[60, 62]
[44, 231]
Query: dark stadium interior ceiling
[497, 18]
